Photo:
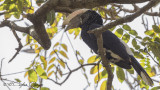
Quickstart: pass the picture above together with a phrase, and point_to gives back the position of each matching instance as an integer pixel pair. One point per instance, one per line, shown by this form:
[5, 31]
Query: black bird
[117, 51]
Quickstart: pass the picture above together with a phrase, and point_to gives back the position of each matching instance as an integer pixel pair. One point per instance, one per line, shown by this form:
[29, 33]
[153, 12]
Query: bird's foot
[102, 52]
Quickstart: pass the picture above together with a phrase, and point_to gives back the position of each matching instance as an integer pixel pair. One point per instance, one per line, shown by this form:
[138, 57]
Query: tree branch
[136, 8]
[39, 17]
[70, 72]
[20, 44]
[73, 4]
[28, 30]
[105, 62]
[126, 19]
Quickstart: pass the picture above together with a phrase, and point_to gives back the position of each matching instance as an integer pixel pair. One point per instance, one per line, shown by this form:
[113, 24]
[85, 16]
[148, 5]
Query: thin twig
[13, 73]
[135, 9]
[62, 81]
[80, 67]
[20, 44]
[1, 75]
[127, 81]
[69, 73]
[152, 57]
[75, 53]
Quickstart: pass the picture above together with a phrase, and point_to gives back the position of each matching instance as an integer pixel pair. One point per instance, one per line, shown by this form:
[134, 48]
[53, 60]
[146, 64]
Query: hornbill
[117, 51]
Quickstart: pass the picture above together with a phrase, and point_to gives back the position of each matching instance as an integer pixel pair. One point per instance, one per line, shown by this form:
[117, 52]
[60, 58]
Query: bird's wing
[112, 43]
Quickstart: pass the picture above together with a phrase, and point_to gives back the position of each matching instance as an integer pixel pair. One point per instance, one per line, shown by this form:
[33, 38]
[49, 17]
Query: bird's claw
[103, 52]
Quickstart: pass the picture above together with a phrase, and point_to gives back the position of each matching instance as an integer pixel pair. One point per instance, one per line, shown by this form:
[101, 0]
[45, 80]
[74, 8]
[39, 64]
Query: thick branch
[105, 62]
[14, 26]
[73, 4]
[126, 19]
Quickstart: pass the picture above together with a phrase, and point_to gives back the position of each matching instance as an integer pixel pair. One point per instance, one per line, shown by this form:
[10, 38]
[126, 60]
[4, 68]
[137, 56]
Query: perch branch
[105, 62]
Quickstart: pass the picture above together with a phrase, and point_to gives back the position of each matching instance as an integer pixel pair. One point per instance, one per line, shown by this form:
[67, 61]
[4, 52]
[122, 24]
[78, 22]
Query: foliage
[54, 64]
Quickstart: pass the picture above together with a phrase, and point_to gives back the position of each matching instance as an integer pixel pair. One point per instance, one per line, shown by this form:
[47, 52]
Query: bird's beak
[74, 23]
[73, 20]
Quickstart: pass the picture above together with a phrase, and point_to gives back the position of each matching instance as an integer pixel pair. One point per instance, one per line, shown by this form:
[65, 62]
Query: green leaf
[18, 80]
[50, 67]
[20, 5]
[52, 60]
[156, 88]
[51, 17]
[155, 48]
[44, 61]
[138, 55]
[138, 37]
[9, 1]
[56, 45]
[104, 85]
[35, 85]
[156, 28]
[64, 46]
[1, 0]
[61, 63]
[126, 38]
[119, 32]
[77, 31]
[100, 76]
[95, 69]
[26, 74]
[146, 39]
[7, 15]
[81, 61]
[17, 15]
[32, 76]
[41, 72]
[33, 89]
[112, 29]
[134, 43]
[133, 32]
[131, 71]
[120, 74]
[50, 74]
[63, 54]
[93, 59]
[157, 39]
[149, 32]
[142, 62]
[44, 88]
[53, 52]
[126, 27]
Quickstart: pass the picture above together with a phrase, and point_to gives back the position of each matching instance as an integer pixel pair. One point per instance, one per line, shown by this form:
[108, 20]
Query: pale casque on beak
[73, 20]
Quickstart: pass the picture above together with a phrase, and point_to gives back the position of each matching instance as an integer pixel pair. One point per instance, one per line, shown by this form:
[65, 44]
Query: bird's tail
[142, 73]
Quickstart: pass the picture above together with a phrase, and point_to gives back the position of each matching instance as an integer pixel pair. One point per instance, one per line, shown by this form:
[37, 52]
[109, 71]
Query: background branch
[126, 19]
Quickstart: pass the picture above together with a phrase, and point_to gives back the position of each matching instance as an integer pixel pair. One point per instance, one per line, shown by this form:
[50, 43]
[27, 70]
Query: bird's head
[80, 18]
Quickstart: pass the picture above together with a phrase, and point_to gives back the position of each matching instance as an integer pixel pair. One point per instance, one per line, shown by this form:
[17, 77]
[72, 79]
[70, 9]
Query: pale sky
[75, 82]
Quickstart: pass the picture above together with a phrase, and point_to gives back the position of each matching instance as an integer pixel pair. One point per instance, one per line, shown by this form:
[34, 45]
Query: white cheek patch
[127, 48]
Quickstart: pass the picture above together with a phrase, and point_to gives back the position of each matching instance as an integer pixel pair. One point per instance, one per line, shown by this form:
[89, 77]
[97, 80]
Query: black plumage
[92, 20]
[116, 50]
